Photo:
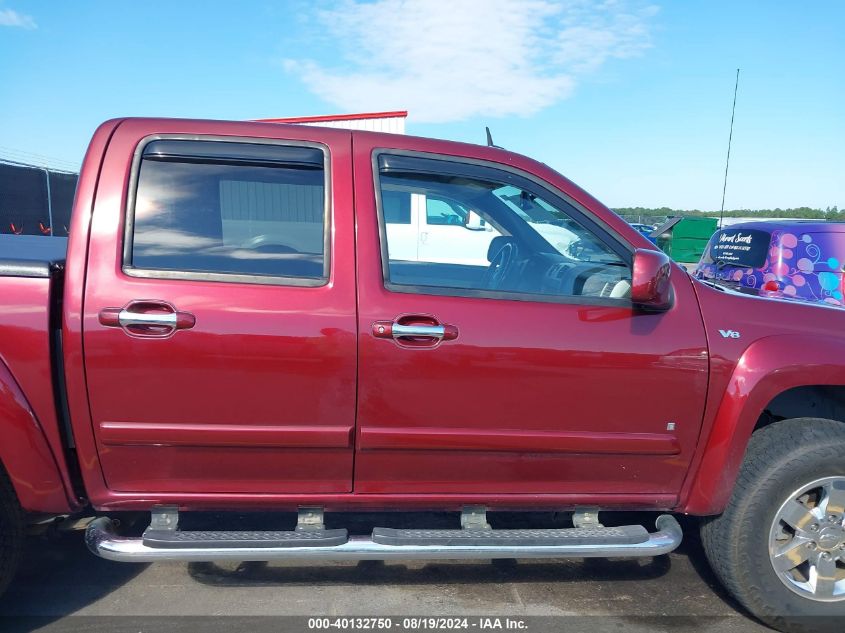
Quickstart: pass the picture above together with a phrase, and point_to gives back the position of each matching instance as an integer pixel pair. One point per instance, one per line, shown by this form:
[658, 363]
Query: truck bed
[31, 255]
[31, 283]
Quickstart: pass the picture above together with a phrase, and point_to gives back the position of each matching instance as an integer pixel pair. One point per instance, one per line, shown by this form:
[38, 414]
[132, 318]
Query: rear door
[219, 331]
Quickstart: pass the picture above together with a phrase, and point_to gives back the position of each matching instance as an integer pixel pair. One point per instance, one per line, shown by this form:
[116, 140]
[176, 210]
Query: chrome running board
[102, 540]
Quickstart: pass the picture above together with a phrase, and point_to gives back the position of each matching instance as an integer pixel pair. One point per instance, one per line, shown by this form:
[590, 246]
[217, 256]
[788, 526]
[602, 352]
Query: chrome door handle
[126, 318]
[415, 330]
[427, 331]
[150, 318]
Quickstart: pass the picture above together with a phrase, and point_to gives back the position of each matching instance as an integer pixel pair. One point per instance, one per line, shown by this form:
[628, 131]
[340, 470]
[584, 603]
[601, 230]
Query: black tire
[781, 458]
[11, 531]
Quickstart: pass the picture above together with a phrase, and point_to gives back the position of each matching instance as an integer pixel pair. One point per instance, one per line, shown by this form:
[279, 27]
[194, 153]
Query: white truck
[429, 228]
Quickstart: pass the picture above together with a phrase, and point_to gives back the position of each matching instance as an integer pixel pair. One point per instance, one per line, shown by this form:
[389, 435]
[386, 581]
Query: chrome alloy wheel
[807, 540]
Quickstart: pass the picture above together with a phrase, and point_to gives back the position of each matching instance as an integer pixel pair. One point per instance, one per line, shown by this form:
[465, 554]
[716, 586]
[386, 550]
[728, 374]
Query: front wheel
[779, 547]
[11, 531]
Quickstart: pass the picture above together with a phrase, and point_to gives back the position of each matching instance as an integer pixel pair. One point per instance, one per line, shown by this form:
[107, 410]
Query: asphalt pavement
[62, 587]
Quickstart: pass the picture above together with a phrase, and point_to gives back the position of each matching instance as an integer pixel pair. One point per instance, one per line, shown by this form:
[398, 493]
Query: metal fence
[35, 200]
[650, 220]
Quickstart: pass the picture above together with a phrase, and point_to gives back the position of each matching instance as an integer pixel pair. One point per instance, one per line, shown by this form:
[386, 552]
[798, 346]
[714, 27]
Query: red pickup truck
[228, 328]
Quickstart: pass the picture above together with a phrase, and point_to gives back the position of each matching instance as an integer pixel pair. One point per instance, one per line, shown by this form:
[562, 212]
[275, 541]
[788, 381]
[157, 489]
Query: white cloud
[448, 60]
[10, 17]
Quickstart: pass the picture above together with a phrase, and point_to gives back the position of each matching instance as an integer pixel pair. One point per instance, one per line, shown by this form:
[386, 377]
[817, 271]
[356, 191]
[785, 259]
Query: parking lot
[62, 587]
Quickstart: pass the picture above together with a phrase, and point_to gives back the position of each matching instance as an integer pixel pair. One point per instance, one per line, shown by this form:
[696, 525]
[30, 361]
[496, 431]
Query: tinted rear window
[739, 247]
[230, 208]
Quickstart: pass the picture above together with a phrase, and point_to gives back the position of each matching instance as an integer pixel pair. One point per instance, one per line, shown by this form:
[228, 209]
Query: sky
[630, 99]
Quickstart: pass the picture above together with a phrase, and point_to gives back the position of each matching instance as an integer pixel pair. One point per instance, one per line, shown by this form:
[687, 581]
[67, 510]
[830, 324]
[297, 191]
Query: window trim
[463, 166]
[189, 275]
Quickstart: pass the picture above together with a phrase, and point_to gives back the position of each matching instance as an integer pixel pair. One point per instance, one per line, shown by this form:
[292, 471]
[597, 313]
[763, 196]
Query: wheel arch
[25, 454]
[805, 401]
[777, 377]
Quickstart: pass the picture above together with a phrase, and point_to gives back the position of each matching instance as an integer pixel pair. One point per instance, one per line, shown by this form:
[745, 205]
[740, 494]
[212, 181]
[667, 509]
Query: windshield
[745, 248]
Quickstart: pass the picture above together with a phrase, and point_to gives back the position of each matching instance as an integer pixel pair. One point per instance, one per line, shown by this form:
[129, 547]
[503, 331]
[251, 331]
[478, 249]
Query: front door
[219, 334]
[530, 373]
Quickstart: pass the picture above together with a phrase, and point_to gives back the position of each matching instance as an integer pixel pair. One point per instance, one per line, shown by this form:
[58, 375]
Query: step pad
[625, 535]
[177, 539]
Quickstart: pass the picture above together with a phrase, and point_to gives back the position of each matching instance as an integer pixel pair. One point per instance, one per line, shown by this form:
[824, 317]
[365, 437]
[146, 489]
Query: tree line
[833, 214]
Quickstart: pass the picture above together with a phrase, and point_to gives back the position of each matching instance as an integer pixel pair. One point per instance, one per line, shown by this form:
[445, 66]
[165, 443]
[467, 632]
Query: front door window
[486, 235]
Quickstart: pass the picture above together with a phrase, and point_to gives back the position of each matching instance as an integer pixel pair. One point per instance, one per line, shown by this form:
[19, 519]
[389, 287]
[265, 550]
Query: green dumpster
[684, 239]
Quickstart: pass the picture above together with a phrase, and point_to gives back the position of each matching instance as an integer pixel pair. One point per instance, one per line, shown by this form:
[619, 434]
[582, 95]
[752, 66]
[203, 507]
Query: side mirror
[473, 222]
[650, 287]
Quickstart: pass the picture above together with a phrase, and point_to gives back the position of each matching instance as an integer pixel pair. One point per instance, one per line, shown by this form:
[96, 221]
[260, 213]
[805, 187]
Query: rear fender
[768, 367]
[25, 453]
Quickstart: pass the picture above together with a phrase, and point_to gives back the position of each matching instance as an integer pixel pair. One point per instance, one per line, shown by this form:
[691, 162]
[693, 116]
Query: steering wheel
[500, 267]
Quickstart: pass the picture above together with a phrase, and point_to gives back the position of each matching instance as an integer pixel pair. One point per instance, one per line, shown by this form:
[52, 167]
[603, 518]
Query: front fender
[25, 454]
[768, 367]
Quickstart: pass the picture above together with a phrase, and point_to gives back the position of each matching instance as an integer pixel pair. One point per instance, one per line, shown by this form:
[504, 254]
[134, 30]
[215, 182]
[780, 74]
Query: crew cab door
[532, 374]
[219, 311]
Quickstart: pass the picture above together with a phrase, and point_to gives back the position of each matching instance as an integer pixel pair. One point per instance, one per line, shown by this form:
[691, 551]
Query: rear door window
[208, 208]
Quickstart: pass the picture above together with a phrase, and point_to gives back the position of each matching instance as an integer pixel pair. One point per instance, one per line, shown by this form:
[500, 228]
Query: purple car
[797, 259]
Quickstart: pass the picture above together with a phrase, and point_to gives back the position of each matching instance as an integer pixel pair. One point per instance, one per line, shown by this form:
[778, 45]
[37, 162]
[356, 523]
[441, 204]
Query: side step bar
[175, 539]
[103, 541]
[626, 535]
